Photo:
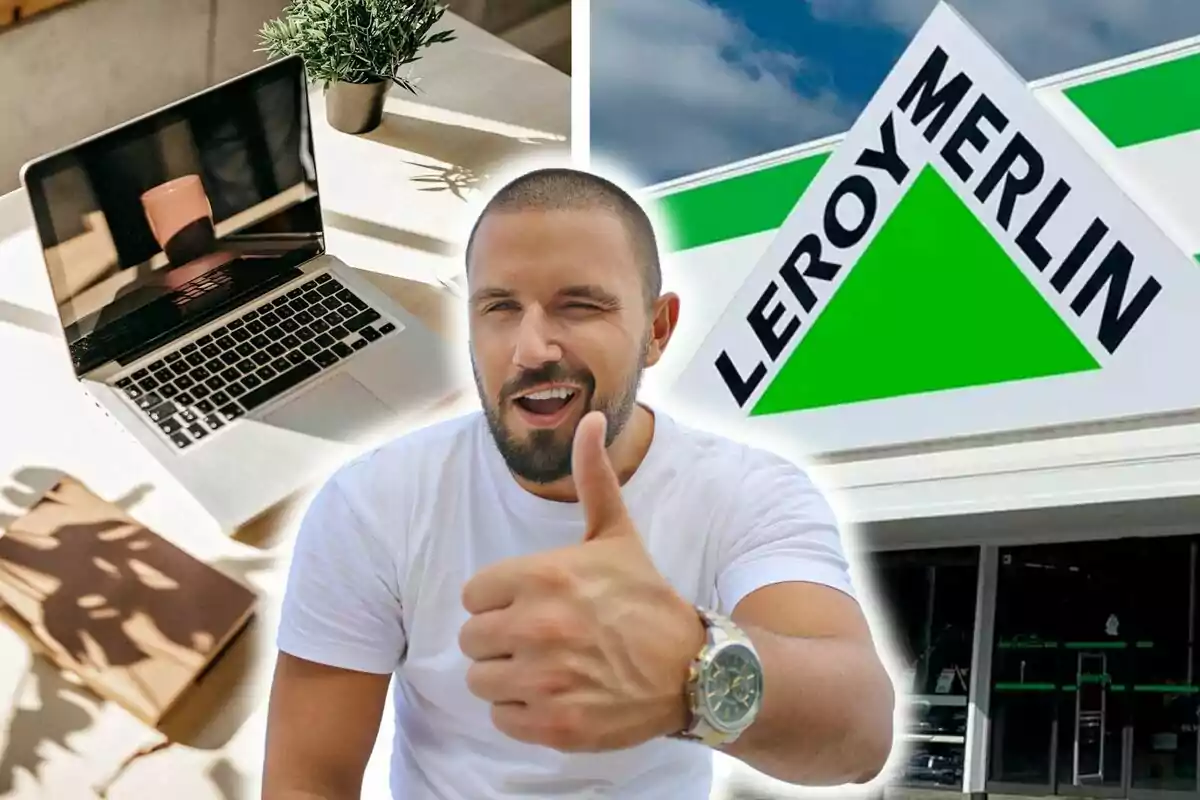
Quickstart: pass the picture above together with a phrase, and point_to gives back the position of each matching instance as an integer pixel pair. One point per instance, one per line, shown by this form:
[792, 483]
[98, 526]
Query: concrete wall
[93, 64]
[541, 28]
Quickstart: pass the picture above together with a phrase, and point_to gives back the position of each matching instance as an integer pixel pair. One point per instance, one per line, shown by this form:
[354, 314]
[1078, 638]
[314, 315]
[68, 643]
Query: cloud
[678, 86]
[1039, 38]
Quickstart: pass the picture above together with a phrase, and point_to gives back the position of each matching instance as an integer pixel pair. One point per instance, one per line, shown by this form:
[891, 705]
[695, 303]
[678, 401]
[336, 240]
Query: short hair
[566, 189]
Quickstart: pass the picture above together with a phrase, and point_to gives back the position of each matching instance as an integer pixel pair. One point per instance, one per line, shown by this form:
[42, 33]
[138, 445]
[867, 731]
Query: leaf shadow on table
[459, 181]
[62, 708]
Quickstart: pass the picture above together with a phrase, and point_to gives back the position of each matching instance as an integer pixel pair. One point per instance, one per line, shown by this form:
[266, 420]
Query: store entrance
[1093, 640]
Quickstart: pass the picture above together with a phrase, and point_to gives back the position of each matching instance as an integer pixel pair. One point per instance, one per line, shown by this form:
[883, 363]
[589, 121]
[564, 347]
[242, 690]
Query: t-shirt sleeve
[341, 606]
[782, 530]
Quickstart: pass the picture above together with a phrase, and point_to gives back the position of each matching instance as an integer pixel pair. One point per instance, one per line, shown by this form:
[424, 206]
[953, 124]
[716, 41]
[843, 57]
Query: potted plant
[357, 49]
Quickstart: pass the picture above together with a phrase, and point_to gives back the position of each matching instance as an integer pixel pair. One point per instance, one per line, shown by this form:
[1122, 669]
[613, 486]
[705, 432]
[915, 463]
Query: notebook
[135, 618]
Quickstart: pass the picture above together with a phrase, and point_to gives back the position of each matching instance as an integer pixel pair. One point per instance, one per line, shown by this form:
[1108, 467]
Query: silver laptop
[186, 253]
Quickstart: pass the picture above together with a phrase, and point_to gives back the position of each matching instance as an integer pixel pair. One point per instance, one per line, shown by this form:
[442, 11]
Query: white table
[482, 100]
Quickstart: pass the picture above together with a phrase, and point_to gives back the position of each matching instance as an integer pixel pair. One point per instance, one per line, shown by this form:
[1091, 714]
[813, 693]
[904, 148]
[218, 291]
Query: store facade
[1030, 516]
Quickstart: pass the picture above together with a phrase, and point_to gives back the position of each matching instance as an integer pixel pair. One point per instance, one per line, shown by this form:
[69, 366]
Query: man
[541, 577]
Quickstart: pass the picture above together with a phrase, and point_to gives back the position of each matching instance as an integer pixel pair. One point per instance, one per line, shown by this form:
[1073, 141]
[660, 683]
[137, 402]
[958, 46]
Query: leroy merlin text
[1017, 171]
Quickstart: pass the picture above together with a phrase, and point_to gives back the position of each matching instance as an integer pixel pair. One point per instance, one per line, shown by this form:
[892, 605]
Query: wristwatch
[725, 684]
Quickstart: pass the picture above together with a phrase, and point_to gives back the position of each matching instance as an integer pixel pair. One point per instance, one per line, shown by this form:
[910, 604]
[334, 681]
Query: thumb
[595, 479]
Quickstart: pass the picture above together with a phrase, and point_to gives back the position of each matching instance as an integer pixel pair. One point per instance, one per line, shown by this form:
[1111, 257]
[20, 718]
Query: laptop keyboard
[199, 388]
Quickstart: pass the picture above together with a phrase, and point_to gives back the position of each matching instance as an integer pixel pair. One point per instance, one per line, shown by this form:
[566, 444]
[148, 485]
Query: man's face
[559, 326]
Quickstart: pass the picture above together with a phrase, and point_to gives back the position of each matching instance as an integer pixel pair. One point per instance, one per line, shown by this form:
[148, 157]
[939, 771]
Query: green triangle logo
[933, 303]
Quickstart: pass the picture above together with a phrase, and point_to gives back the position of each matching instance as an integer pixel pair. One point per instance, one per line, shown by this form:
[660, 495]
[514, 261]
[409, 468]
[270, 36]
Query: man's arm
[341, 637]
[828, 707]
[828, 703]
[321, 728]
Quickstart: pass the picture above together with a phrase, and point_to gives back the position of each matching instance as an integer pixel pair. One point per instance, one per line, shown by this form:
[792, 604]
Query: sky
[681, 86]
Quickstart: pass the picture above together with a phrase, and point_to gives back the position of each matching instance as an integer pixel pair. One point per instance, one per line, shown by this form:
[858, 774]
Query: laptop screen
[161, 225]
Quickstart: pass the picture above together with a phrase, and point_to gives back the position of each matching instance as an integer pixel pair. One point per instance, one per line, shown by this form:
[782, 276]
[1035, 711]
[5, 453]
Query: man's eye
[581, 307]
[505, 306]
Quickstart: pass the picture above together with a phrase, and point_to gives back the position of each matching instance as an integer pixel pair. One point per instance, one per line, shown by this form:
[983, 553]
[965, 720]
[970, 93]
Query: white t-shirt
[388, 543]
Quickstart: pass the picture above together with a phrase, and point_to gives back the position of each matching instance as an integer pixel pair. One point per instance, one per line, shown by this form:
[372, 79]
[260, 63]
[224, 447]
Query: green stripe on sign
[752, 203]
[1144, 104]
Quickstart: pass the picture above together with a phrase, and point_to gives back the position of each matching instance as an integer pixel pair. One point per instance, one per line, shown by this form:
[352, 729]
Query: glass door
[1165, 698]
[1096, 624]
[1024, 714]
[1059, 711]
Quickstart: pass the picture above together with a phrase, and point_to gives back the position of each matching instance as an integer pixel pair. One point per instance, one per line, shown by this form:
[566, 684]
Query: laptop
[200, 309]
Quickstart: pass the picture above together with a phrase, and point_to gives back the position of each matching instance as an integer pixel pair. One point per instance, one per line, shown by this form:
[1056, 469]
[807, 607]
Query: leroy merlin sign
[959, 266]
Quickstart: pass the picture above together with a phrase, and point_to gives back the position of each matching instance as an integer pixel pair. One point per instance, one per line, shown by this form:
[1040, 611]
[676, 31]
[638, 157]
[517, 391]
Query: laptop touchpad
[340, 410]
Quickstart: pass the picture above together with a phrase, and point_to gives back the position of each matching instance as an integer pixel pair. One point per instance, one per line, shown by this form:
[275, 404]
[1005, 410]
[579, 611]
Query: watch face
[732, 686]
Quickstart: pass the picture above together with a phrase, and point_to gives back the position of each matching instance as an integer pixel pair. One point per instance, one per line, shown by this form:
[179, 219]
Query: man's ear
[664, 315]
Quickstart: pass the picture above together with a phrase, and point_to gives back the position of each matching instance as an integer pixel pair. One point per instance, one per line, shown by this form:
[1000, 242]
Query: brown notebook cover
[136, 618]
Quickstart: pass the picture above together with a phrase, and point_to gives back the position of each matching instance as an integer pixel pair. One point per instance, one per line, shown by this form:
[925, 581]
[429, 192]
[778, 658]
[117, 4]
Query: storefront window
[1165, 694]
[1024, 670]
[1093, 673]
[929, 600]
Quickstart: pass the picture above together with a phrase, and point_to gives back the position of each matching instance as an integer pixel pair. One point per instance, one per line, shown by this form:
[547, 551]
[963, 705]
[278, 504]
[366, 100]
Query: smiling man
[576, 595]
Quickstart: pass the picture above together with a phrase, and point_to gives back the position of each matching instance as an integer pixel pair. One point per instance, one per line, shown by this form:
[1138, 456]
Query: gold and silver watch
[725, 684]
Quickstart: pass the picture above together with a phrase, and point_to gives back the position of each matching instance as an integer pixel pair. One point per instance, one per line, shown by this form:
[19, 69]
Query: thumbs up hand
[597, 485]
[586, 648]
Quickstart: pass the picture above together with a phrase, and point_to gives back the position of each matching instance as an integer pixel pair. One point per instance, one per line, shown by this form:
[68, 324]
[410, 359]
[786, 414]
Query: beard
[544, 456]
